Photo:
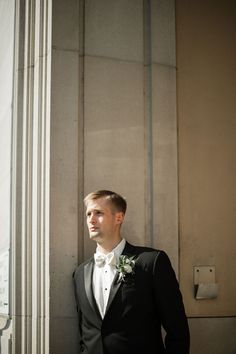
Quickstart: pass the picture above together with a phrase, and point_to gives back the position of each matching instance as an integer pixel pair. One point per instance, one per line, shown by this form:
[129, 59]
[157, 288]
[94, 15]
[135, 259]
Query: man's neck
[108, 247]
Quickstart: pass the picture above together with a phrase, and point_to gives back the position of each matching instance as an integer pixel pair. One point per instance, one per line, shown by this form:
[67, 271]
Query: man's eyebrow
[93, 209]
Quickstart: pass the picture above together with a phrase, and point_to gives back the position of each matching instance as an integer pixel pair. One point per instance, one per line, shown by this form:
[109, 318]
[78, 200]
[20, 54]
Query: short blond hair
[117, 201]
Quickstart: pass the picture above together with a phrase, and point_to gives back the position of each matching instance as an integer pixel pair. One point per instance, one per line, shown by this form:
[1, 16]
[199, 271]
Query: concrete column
[6, 89]
[30, 180]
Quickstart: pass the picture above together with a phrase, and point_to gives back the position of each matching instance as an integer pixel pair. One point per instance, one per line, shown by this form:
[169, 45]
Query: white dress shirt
[103, 277]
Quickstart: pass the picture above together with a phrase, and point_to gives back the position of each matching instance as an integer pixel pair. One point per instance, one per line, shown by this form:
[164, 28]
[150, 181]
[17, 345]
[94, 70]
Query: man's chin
[93, 235]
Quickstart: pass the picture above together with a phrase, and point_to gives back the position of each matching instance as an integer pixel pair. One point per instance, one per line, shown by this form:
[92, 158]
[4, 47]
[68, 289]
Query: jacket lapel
[128, 251]
[114, 288]
[88, 281]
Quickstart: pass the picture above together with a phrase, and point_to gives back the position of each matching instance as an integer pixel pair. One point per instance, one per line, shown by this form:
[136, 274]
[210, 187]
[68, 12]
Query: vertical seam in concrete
[177, 145]
[81, 131]
[148, 119]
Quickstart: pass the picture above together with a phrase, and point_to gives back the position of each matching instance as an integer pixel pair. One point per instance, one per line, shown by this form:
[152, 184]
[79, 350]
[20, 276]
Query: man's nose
[92, 219]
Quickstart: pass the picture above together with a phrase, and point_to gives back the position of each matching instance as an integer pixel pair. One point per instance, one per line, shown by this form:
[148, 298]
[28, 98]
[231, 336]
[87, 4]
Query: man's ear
[120, 217]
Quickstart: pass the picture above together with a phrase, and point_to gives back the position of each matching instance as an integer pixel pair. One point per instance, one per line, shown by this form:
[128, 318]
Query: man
[126, 293]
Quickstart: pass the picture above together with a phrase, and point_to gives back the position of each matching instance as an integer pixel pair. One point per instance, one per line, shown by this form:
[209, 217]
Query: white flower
[125, 266]
[128, 268]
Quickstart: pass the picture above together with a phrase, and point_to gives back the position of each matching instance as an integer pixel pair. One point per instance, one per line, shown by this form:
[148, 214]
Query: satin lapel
[88, 276]
[114, 288]
[128, 251]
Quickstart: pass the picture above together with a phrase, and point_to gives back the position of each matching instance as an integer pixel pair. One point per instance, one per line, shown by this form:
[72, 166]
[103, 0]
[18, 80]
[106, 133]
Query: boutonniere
[125, 267]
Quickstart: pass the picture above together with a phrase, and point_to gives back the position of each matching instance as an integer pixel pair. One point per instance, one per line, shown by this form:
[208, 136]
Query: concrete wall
[117, 153]
[206, 79]
[64, 175]
[114, 156]
[114, 127]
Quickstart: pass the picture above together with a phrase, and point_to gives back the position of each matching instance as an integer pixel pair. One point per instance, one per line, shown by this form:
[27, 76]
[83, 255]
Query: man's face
[102, 221]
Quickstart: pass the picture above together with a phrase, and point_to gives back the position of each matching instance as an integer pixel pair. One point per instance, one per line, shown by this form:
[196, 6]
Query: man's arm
[79, 316]
[170, 306]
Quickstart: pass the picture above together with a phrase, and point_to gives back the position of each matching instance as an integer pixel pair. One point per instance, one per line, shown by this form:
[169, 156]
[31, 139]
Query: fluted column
[30, 182]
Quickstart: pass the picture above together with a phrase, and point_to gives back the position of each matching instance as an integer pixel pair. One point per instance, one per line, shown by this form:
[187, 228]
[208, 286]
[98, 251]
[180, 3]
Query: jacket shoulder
[80, 267]
[147, 254]
[145, 251]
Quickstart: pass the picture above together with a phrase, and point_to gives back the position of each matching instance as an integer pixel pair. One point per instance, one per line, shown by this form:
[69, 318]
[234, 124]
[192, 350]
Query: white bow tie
[102, 259]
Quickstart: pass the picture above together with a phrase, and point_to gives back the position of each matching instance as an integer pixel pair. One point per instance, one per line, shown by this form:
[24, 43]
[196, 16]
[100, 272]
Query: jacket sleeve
[170, 306]
[80, 341]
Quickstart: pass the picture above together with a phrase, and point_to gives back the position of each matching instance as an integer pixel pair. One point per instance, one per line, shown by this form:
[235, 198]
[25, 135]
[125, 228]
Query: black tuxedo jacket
[136, 309]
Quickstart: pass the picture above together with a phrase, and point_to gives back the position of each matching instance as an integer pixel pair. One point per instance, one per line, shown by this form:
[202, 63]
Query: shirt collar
[119, 248]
